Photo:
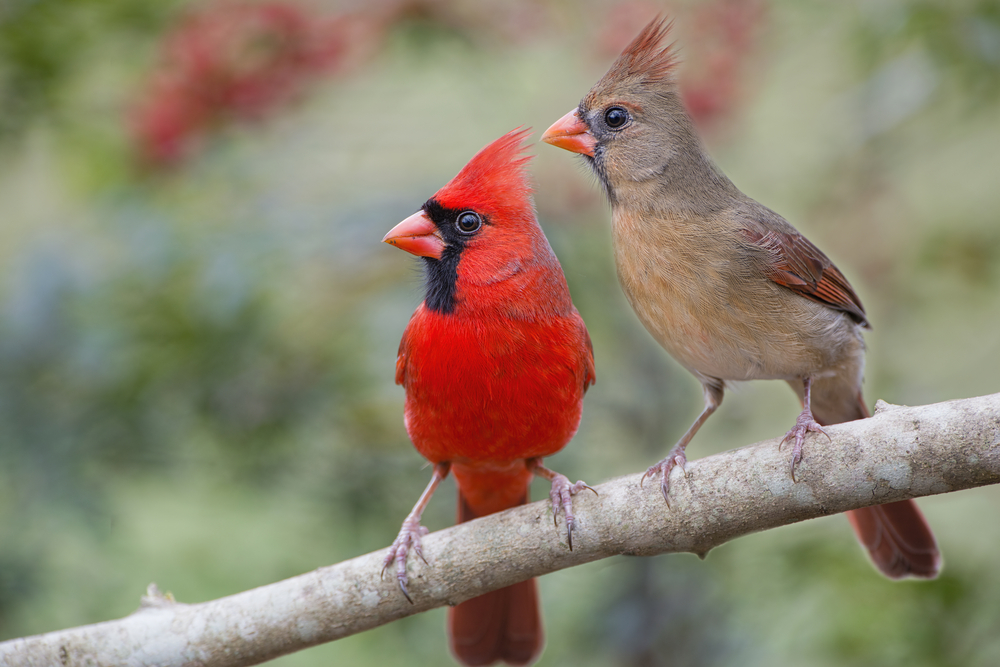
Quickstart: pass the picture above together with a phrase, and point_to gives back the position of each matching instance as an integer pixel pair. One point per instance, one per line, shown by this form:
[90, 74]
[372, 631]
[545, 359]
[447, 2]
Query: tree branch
[899, 453]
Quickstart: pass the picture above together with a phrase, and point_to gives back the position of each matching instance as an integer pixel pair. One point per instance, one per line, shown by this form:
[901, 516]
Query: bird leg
[411, 533]
[713, 399]
[561, 494]
[803, 424]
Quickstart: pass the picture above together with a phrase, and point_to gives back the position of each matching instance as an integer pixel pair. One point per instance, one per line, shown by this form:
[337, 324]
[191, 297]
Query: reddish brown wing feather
[802, 267]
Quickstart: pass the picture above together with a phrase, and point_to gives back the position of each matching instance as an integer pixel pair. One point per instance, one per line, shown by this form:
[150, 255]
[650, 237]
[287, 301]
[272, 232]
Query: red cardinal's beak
[571, 133]
[417, 235]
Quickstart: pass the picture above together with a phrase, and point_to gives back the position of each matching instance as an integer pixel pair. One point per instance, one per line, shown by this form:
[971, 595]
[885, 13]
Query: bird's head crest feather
[494, 180]
[646, 57]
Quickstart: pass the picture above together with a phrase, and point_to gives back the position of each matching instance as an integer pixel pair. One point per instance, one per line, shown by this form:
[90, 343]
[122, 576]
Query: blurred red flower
[723, 36]
[233, 61]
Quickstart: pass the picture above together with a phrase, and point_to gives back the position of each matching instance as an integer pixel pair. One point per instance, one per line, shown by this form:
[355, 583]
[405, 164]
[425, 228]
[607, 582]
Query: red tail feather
[504, 625]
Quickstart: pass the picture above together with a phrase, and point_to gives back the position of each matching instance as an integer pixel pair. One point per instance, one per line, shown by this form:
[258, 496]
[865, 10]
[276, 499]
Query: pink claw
[676, 457]
[409, 538]
[561, 494]
[803, 425]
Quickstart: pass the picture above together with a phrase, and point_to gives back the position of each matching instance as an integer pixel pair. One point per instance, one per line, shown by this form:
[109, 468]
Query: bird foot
[409, 538]
[804, 423]
[561, 494]
[676, 457]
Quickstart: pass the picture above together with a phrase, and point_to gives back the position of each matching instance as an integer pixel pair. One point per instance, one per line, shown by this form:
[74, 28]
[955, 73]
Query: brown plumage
[727, 286]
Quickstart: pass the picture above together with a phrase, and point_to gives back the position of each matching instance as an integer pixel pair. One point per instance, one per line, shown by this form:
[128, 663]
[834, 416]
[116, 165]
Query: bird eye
[616, 117]
[468, 222]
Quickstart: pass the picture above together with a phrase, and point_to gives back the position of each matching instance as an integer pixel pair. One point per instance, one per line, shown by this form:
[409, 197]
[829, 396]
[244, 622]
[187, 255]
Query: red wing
[802, 267]
[590, 376]
[404, 345]
[401, 367]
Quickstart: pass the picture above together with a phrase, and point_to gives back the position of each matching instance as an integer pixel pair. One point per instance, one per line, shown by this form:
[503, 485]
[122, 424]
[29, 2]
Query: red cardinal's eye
[616, 117]
[468, 222]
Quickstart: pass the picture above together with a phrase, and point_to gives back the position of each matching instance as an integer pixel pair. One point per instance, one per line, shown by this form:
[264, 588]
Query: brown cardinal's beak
[571, 133]
[417, 235]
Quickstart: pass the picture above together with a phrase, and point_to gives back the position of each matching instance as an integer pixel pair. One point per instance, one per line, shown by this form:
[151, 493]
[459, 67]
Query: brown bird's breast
[702, 294]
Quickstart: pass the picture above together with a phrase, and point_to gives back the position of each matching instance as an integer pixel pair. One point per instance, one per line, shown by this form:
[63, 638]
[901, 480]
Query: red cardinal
[495, 363]
[728, 287]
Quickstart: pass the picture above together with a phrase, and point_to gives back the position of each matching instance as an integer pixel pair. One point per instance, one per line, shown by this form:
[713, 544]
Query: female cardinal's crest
[645, 57]
[494, 180]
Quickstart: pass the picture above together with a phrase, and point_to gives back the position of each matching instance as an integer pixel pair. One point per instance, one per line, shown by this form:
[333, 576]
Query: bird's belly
[490, 427]
[716, 333]
[698, 345]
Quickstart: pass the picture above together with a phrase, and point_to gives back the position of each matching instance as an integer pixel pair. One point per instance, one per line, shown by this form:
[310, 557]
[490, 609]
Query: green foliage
[46, 44]
[962, 39]
[972, 256]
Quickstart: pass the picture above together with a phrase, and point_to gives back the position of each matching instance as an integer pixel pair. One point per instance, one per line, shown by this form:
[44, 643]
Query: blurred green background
[198, 324]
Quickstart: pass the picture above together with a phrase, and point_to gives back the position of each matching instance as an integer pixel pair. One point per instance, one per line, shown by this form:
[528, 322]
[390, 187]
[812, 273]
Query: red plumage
[495, 371]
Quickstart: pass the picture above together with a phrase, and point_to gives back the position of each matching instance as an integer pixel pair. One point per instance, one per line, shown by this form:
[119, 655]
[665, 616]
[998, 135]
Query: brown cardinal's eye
[468, 222]
[616, 117]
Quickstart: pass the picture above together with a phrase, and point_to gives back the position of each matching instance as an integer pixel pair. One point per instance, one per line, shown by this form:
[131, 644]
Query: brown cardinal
[495, 363]
[727, 286]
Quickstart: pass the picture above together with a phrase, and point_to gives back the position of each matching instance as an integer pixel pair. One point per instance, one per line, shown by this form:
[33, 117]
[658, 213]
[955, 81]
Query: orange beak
[417, 235]
[571, 133]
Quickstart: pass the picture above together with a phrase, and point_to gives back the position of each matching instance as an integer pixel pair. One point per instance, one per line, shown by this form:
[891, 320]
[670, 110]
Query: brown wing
[802, 267]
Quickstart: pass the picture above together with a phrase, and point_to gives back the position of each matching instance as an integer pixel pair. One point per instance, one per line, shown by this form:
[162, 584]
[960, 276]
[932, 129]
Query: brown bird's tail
[896, 535]
[898, 539]
[504, 625]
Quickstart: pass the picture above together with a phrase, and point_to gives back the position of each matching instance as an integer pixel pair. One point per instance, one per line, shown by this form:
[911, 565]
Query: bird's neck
[534, 290]
[525, 282]
[689, 185]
